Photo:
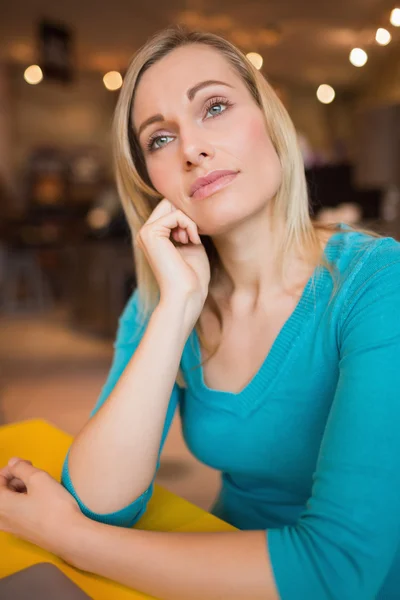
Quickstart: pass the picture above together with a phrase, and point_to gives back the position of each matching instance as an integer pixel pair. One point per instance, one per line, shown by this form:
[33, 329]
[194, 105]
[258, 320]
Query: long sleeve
[344, 543]
[129, 335]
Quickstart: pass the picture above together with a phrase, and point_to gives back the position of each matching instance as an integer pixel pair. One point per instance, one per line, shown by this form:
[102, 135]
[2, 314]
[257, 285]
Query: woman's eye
[158, 142]
[216, 105]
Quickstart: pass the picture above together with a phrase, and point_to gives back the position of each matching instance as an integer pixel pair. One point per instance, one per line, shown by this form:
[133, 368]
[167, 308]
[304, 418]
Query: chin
[213, 231]
[222, 219]
[222, 227]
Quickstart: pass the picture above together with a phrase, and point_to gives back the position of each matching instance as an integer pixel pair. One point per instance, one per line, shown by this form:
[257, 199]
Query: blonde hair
[139, 198]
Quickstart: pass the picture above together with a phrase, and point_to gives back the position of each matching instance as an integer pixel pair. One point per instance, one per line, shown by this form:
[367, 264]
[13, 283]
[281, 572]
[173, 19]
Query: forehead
[175, 73]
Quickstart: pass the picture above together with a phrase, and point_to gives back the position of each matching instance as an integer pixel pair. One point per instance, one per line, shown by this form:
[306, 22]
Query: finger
[163, 208]
[6, 469]
[7, 496]
[177, 219]
[175, 235]
[183, 236]
[6, 474]
[192, 234]
[17, 485]
[22, 469]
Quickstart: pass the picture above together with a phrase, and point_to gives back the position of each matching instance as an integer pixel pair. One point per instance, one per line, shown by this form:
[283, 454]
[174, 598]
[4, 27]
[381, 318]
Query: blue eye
[215, 103]
[156, 140]
[219, 104]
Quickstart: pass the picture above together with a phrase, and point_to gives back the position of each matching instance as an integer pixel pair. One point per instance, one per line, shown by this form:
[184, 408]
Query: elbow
[127, 517]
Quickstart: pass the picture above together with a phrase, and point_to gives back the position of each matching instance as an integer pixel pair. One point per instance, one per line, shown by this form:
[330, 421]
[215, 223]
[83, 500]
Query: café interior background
[66, 267]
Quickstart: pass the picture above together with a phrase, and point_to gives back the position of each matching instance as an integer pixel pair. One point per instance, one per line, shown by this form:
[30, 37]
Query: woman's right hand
[181, 271]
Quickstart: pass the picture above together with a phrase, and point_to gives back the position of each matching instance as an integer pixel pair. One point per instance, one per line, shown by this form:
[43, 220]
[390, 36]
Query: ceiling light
[113, 80]
[358, 57]
[325, 93]
[395, 17]
[383, 37]
[33, 75]
[256, 59]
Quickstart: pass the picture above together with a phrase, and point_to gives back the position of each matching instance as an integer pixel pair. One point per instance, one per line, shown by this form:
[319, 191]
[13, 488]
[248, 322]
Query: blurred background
[66, 267]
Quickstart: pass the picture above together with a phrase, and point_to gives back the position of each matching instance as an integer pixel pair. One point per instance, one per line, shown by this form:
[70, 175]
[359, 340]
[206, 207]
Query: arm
[176, 566]
[345, 541]
[170, 566]
[129, 429]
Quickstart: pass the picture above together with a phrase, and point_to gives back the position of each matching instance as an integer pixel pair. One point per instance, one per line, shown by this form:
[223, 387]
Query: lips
[210, 178]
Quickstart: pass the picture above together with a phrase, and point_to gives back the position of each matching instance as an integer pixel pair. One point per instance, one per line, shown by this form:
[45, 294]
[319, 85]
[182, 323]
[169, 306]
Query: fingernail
[12, 461]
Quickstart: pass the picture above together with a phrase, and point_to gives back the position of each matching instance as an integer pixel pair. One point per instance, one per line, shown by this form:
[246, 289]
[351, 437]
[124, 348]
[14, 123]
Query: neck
[252, 274]
[249, 256]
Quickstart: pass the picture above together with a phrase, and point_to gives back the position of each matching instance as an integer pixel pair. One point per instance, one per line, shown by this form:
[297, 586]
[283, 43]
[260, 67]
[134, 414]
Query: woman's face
[217, 126]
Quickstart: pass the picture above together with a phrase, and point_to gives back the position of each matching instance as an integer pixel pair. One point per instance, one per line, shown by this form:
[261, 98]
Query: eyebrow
[190, 94]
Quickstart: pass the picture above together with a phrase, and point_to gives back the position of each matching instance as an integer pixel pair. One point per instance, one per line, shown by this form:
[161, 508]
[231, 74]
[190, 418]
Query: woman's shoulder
[364, 261]
[349, 247]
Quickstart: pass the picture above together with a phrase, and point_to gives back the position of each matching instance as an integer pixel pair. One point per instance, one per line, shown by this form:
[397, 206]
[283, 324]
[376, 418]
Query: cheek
[259, 142]
[260, 157]
[263, 153]
[160, 176]
[164, 179]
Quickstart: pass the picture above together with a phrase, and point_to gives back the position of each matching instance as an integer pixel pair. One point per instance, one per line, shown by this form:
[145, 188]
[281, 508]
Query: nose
[195, 147]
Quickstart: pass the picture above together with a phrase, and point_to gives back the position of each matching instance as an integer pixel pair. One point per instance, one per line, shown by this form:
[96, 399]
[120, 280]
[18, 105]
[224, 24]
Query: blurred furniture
[57, 178]
[3, 252]
[332, 185]
[26, 282]
[43, 581]
[46, 177]
[33, 269]
[46, 446]
[22, 270]
[101, 277]
[85, 175]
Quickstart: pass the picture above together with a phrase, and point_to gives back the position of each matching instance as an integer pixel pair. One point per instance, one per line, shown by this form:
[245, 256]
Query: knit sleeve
[129, 335]
[344, 542]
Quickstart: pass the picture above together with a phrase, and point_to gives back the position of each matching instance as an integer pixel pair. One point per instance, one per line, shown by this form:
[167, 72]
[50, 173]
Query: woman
[297, 330]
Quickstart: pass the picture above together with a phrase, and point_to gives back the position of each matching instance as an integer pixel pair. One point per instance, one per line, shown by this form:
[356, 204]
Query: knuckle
[140, 236]
[188, 220]
[144, 230]
[39, 476]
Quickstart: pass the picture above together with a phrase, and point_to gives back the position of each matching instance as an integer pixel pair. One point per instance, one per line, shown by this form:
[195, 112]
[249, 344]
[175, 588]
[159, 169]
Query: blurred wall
[63, 115]
[384, 85]
[323, 125]
[5, 127]
[377, 121]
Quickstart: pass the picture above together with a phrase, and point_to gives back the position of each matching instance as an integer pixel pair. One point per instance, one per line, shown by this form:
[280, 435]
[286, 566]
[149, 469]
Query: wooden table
[46, 446]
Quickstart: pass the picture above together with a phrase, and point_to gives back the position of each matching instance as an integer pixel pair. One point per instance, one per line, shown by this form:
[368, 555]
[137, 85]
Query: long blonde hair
[139, 198]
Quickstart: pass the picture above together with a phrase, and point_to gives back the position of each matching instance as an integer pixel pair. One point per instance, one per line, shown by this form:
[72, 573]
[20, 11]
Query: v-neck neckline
[254, 392]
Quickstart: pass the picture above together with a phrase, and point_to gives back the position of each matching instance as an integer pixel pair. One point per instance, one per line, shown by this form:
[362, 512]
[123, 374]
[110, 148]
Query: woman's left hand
[35, 507]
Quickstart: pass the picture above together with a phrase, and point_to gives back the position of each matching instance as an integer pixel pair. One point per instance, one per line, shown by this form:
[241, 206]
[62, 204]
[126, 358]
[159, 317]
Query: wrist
[179, 313]
[75, 537]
